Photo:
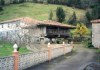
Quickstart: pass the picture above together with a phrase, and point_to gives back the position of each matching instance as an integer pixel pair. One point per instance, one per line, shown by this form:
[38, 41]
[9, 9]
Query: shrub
[88, 43]
[51, 15]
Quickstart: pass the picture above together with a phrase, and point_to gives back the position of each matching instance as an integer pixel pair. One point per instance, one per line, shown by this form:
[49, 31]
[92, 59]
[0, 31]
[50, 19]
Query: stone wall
[7, 63]
[34, 58]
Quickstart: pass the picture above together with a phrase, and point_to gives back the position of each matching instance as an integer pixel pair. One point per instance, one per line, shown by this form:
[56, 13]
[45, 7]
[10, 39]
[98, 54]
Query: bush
[51, 15]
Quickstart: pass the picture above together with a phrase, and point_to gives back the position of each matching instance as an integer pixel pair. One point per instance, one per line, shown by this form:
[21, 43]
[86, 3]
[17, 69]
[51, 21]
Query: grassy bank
[36, 11]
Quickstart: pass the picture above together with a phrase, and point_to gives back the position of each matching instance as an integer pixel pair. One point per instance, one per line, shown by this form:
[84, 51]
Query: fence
[20, 62]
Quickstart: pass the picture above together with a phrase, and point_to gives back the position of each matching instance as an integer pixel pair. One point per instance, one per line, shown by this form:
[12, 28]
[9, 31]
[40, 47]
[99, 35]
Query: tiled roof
[30, 21]
[54, 23]
[95, 21]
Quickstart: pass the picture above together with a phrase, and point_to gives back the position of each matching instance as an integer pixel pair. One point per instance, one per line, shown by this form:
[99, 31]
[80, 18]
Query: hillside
[36, 11]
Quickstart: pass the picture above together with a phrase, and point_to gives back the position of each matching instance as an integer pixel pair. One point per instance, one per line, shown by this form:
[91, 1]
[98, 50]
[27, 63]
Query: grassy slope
[36, 11]
[6, 49]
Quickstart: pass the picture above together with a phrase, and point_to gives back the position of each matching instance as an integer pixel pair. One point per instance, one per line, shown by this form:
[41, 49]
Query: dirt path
[76, 61]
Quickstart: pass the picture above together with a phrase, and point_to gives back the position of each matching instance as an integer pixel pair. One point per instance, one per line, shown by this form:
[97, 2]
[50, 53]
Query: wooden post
[49, 52]
[16, 56]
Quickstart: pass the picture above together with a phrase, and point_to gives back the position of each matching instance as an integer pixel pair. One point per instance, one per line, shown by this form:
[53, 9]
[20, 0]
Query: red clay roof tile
[30, 21]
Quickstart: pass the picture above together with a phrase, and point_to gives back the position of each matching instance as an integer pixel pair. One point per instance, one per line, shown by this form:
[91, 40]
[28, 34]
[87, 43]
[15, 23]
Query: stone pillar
[64, 48]
[49, 52]
[16, 56]
[72, 44]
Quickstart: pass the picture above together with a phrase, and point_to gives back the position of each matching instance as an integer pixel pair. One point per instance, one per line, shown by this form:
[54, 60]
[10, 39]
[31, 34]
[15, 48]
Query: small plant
[51, 15]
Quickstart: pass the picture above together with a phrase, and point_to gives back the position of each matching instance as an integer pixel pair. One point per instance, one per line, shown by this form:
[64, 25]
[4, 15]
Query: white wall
[96, 34]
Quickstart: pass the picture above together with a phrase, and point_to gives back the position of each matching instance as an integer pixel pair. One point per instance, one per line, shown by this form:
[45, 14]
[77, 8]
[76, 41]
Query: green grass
[98, 51]
[6, 49]
[36, 11]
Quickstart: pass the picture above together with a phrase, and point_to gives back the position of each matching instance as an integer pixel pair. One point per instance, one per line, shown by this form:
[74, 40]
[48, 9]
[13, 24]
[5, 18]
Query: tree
[72, 20]
[96, 12]
[21, 1]
[78, 3]
[15, 1]
[60, 14]
[51, 15]
[1, 9]
[89, 18]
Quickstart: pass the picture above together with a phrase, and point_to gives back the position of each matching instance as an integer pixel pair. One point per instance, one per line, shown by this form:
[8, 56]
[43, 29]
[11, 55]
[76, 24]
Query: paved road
[76, 61]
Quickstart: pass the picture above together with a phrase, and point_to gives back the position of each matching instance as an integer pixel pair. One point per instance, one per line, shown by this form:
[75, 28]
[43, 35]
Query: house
[96, 33]
[30, 31]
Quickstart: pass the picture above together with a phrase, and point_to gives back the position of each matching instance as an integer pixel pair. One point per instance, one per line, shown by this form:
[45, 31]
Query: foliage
[45, 2]
[60, 14]
[35, 1]
[92, 14]
[73, 3]
[72, 20]
[96, 12]
[88, 18]
[81, 31]
[2, 2]
[51, 15]
[15, 1]
[88, 43]
[21, 1]
[1, 8]
[98, 51]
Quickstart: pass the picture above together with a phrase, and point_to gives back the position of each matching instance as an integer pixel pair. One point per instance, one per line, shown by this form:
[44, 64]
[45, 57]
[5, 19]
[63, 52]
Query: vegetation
[6, 49]
[51, 15]
[89, 18]
[60, 14]
[98, 51]
[73, 3]
[1, 9]
[2, 3]
[80, 32]
[36, 11]
[72, 20]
